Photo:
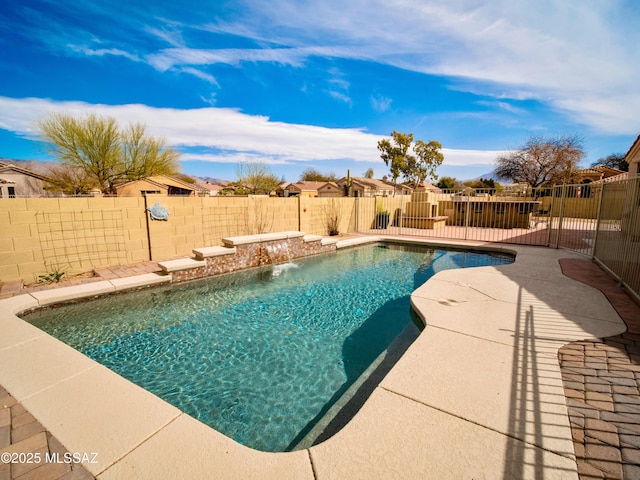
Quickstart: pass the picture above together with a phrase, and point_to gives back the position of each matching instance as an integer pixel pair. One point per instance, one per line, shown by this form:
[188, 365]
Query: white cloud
[225, 135]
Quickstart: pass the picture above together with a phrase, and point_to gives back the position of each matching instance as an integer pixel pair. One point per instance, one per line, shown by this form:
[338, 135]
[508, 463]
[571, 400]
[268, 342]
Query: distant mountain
[488, 176]
[43, 168]
[215, 181]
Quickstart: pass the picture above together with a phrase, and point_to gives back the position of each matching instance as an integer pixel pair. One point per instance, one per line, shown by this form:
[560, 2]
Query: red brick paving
[42, 456]
[602, 385]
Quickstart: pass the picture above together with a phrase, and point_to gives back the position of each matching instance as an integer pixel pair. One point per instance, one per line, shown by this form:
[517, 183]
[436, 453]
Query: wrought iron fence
[563, 216]
[598, 219]
[617, 244]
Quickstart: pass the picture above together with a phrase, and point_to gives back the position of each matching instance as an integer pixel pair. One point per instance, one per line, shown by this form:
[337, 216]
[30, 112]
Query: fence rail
[564, 216]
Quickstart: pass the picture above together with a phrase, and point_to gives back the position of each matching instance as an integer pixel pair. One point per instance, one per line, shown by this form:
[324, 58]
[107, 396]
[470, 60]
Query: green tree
[542, 161]
[616, 160]
[106, 153]
[310, 174]
[399, 157]
[257, 177]
[369, 173]
[447, 183]
[483, 184]
[429, 158]
[396, 155]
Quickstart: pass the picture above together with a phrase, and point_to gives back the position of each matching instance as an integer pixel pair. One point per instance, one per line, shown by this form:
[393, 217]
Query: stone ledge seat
[181, 264]
[264, 237]
[328, 241]
[208, 252]
[312, 238]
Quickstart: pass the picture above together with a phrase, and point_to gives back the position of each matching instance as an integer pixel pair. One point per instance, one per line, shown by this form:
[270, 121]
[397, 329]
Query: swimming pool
[260, 355]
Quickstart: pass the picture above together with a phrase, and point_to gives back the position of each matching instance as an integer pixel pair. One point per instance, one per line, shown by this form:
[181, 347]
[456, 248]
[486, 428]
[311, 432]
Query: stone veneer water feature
[247, 251]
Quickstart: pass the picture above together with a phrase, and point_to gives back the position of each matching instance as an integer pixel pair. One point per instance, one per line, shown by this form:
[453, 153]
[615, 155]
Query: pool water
[259, 355]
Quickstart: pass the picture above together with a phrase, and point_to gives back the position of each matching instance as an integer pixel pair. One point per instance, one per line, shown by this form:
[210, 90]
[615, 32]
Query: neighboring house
[19, 182]
[304, 189]
[428, 187]
[370, 187]
[156, 185]
[208, 189]
[280, 191]
[330, 189]
[633, 158]
[598, 174]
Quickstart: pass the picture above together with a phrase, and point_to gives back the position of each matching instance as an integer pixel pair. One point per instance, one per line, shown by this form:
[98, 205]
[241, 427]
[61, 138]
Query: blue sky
[300, 84]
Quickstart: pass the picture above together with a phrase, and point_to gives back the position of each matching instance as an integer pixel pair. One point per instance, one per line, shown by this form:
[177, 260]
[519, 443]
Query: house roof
[172, 182]
[374, 183]
[307, 186]
[209, 186]
[633, 152]
[331, 185]
[607, 171]
[8, 167]
[162, 181]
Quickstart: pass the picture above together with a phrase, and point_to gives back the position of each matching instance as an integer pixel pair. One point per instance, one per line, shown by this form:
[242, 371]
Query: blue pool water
[259, 355]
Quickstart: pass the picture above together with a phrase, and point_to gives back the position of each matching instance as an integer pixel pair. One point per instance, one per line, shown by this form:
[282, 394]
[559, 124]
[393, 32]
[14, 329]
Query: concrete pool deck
[478, 395]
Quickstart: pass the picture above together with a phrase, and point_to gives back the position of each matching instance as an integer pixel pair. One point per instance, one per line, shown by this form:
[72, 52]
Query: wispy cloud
[579, 58]
[101, 52]
[225, 135]
[201, 75]
[576, 57]
[380, 103]
[502, 106]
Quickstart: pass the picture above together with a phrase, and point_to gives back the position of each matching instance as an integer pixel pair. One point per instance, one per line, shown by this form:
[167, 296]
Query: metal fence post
[466, 217]
[595, 240]
[560, 215]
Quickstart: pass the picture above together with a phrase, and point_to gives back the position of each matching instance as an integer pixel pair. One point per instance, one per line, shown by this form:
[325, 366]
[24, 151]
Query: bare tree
[70, 180]
[542, 161]
[616, 160]
[257, 177]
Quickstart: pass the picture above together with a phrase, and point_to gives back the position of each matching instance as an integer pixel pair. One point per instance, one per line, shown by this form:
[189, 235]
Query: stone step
[263, 237]
[329, 241]
[207, 252]
[181, 264]
[312, 238]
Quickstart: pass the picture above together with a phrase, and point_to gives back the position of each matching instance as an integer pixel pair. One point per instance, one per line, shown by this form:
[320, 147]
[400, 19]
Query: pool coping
[482, 413]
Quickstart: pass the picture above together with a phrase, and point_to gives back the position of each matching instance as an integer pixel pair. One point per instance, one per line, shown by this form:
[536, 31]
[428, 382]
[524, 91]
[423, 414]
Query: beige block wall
[77, 235]
[316, 214]
[40, 235]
